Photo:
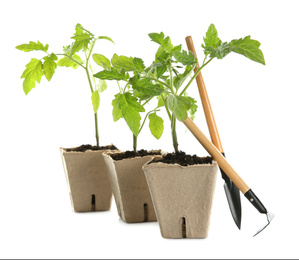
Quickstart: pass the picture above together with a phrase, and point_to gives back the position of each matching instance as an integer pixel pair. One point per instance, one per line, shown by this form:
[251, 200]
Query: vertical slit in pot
[183, 227]
[145, 206]
[93, 202]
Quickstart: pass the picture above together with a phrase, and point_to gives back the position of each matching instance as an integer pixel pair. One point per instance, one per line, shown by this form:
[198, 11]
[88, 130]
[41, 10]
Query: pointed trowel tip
[233, 198]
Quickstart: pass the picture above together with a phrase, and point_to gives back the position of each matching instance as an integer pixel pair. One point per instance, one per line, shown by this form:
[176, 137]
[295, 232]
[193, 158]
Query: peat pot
[129, 186]
[182, 197]
[87, 178]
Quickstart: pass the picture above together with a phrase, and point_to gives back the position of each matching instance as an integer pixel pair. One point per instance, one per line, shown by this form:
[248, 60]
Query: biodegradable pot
[130, 189]
[182, 197]
[87, 179]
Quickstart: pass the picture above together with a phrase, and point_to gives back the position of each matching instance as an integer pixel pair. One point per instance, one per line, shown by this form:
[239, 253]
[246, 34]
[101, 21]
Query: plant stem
[135, 143]
[166, 107]
[71, 59]
[92, 90]
[174, 135]
[195, 75]
[171, 78]
[96, 128]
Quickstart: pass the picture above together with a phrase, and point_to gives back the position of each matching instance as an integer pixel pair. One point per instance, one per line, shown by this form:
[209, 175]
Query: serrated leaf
[116, 112]
[212, 38]
[184, 57]
[248, 48]
[50, 66]
[193, 107]
[146, 87]
[180, 79]
[156, 125]
[130, 110]
[105, 38]
[160, 39]
[112, 74]
[122, 62]
[95, 99]
[33, 46]
[220, 52]
[32, 74]
[177, 48]
[138, 64]
[102, 61]
[81, 41]
[179, 106]
[67, 62]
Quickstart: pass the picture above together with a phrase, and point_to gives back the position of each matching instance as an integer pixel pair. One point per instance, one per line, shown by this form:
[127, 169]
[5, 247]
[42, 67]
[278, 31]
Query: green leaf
[160, 102]
[212, 38]
[249, 48]
[32, 74]
[138, 64]
[81, 41]
[160, 39]
[123, 62]
[130, 109]
[95, 98]
[102, 61]
[33, 46]
[106, 38]
[116, 112]
[156, 125]
[184, 57]
[220, 52]
[179, 106]
[180, 79]
[112, 74]
[193, 107]
[146, 87]
[50, 66]
[67, 62]
[101, 85]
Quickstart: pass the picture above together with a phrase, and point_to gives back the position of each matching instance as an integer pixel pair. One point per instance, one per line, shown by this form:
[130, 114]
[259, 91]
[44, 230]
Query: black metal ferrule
[255, 201]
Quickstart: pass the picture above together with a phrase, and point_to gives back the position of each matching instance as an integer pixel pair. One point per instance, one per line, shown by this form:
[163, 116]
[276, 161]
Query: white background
[255, 106]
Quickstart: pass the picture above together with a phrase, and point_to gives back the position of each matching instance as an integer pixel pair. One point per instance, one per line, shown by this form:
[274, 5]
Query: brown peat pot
[182, 197]
[129, 186]
[87, 178]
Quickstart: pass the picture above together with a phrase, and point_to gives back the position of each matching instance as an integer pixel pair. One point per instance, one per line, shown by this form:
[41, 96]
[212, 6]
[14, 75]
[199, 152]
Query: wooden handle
[217, 156]
[205, 101]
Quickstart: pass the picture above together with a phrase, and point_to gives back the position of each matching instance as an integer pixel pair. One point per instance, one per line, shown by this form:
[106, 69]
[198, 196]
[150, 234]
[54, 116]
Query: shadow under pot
[87, 177]
[182, 196]
[129, 186]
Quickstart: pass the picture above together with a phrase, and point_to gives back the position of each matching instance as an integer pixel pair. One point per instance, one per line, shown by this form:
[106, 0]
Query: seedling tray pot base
[182, 197]
[130, 189]
[88, 180]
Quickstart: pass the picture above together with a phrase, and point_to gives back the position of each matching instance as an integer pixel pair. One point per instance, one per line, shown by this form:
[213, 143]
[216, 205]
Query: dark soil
[132, 154]
[183, 159]
[86, 147]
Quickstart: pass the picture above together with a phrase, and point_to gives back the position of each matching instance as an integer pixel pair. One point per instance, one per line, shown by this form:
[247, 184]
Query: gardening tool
[230, 172]
[231, 190]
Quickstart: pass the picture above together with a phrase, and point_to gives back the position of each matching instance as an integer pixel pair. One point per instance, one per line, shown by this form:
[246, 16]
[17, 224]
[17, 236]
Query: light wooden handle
[205, 101]
[217, 156]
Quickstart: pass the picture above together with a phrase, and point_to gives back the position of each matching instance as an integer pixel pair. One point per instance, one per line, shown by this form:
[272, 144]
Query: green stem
[171, 79]
[174, 135]
[135, 143]
[71, 59]
[154, 110]
[157, 80]
[96, 128]
[166, 107]
[92, 90]
[195, 75]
